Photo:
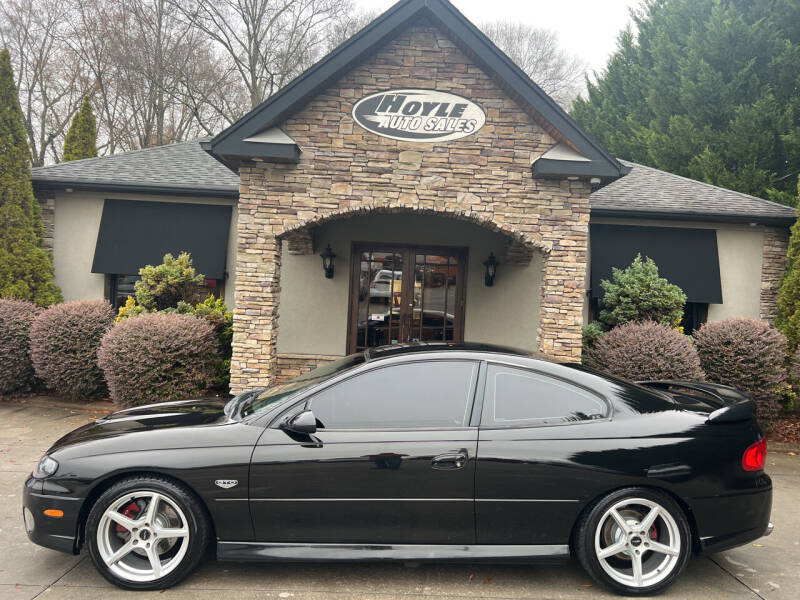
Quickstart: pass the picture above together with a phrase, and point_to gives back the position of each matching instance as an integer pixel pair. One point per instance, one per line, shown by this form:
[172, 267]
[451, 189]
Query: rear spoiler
[730, 404]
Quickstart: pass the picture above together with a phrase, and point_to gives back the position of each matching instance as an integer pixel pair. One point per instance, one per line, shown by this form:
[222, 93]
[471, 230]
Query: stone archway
[263, 228]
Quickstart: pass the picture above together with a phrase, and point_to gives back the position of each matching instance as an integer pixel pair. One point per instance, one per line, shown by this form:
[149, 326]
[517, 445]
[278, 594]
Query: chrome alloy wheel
[142, 536]
[637, 542]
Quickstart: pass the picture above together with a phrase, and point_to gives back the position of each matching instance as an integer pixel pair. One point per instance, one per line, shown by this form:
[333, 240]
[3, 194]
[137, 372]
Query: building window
[694, 315]
[122, 286]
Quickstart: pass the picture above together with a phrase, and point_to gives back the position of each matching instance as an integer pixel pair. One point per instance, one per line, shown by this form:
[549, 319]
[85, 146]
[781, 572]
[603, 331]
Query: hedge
[64, 343]
[158, 357]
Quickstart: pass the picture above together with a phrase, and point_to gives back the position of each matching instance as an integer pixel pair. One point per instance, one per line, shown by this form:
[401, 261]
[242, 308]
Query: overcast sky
[587, 28]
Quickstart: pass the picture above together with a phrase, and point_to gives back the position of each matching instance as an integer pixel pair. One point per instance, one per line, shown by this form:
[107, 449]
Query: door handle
[450, 461]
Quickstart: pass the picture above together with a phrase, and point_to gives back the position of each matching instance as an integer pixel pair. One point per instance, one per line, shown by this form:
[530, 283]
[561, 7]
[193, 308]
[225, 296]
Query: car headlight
[47, 466]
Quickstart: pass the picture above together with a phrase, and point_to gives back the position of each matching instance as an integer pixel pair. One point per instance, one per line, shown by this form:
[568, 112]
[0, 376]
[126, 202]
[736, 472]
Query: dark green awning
[136, 233]
[686, 257]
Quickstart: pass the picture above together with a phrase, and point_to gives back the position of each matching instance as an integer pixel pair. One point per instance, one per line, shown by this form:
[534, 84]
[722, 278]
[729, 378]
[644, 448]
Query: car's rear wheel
[635, 541]
[146, 533]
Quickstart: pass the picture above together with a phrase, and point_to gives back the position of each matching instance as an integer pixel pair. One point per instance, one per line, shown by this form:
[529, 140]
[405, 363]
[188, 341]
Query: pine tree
[708, 90]
[81, 140]
[26, 268]
[788, 319]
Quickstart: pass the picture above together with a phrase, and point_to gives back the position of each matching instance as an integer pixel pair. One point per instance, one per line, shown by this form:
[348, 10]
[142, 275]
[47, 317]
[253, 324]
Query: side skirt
[293, 552]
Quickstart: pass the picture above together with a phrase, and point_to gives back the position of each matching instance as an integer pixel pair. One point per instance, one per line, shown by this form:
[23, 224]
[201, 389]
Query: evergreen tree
[26, 268]
[706, 89]
[788, 319]
[637, 293]
[81, 140]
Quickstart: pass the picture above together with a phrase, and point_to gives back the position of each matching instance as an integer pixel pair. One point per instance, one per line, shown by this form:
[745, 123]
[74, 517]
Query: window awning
[686, 257]
[136, 233]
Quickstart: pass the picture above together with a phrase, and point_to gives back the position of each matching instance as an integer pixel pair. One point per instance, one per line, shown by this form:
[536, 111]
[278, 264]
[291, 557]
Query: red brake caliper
[129, 511]
[653, 533]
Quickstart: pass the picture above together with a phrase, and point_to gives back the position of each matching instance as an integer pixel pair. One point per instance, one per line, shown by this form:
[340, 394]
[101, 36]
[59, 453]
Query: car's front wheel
[635, 541]
[146, 533]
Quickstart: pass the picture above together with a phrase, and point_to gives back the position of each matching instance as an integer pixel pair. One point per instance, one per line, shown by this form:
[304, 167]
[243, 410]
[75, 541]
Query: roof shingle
[644, 192]
[181, 166]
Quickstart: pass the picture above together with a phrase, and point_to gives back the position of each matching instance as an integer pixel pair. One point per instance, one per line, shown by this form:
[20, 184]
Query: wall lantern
[491, 269]
[327, 262]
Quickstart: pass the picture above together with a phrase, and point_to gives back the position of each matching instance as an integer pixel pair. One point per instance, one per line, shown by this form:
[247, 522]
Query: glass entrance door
[404, 294]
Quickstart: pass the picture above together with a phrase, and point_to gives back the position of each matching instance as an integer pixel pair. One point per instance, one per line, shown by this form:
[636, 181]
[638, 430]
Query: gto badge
[419, 115]
[227, 483]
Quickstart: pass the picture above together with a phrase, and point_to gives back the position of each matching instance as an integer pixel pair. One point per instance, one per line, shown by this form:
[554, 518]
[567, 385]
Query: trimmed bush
[64, 343]
[637, 293]
[16, 372]
[648, 350]
[163, 286]
[158, 357]
[747, 354]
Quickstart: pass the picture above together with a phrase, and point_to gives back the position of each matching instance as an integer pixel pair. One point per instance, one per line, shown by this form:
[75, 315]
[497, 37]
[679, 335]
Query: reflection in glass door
[405, 294]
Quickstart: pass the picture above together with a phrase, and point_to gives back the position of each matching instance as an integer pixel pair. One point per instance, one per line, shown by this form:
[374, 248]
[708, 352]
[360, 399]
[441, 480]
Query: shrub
[64, 342]
[788, 318]
[158, 357]
[637, 293]
[16, 372]
[648, 350]
[163, 286]
[212, 310]
[747, 354]
[590, 333]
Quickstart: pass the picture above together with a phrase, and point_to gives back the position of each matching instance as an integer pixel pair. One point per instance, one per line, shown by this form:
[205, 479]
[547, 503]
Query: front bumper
[50, 532]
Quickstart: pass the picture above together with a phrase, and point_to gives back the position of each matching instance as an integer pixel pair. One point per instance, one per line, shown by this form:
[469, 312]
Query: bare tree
[347, 26]
[267, 42]
[50, 77]
[537, 52]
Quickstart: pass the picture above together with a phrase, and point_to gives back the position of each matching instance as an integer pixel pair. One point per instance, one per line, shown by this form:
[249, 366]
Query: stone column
[258, 269]
[564, 275]
[773, 263]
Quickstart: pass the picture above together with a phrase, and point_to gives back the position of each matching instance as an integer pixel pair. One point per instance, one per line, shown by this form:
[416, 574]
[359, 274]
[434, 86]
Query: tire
[661, 548]
[133, 546]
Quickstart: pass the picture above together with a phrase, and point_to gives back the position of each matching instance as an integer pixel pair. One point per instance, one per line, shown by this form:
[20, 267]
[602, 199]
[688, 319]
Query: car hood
[151, 418]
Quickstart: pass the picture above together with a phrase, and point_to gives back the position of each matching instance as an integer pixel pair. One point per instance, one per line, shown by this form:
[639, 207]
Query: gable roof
[184, 168]
[181, 168]
[235, 142]
[646, 192]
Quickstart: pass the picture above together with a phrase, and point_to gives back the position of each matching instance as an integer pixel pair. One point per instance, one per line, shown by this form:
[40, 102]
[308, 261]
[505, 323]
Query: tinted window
[421, 394]
[520, 398]
[277, 393]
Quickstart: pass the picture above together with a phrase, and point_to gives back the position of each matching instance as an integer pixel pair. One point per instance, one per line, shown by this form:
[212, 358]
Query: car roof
[393, 350]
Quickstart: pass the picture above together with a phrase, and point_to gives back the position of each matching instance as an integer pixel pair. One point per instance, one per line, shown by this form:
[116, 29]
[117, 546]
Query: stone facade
[48, 206]
[344, 170]
[776, 243]
[293, 365]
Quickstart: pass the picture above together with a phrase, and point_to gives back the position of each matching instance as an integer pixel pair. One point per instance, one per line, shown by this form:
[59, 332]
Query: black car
[436, 452]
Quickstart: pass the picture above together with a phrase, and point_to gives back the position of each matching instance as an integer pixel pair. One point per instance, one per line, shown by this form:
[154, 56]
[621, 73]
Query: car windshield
[278, 393]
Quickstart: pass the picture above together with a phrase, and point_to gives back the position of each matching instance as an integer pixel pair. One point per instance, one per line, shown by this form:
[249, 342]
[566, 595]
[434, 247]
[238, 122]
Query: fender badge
[227, 483]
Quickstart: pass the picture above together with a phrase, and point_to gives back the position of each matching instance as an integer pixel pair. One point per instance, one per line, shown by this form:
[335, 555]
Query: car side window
[413, 395]
[521, 398]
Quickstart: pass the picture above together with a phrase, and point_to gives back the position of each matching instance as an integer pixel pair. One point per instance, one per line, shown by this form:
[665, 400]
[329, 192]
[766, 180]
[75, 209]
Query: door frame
[357, 247]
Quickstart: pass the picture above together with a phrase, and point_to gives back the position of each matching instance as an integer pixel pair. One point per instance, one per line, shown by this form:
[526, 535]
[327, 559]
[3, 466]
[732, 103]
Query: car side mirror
[304, 422]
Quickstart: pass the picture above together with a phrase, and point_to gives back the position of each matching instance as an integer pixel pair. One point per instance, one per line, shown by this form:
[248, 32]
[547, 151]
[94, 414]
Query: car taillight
[755, 456]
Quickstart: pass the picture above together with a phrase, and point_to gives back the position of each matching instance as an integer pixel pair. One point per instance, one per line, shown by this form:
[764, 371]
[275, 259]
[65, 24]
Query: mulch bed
[786, 430]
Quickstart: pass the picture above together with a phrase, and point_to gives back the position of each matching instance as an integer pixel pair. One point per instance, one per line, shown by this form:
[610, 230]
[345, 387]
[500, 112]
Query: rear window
[521, 398]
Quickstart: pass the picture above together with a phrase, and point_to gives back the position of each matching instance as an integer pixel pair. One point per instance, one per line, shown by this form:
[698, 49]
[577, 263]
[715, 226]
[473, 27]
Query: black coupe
[436, 452]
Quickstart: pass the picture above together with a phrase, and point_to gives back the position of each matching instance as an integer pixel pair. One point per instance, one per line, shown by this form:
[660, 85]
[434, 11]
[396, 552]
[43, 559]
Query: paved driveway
[770, 568]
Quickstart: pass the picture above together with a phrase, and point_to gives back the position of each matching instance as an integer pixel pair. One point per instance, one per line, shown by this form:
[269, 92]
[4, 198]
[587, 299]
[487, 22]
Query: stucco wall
[76, 223]
[740, 249]
[313, 310]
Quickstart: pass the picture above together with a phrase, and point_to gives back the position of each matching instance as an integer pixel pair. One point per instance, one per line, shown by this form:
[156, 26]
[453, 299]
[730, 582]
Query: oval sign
[419, 115]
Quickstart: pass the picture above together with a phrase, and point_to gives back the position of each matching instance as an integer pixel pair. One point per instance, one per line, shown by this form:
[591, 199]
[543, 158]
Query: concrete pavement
[768, 569]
